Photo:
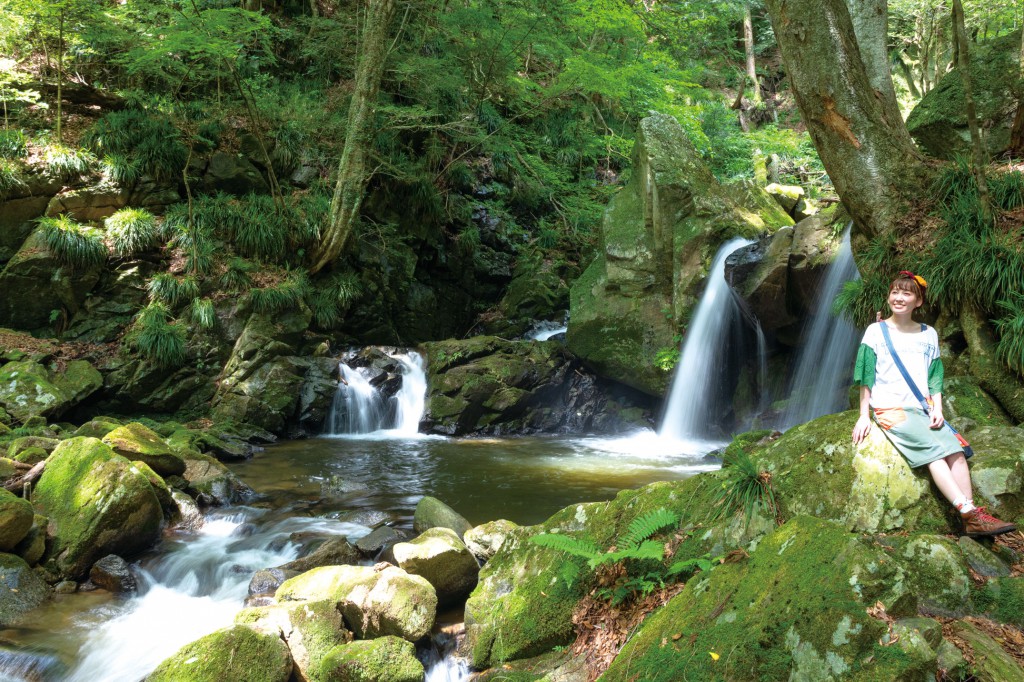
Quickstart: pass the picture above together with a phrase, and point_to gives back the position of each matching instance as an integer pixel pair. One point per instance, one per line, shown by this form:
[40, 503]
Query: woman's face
[901, 301]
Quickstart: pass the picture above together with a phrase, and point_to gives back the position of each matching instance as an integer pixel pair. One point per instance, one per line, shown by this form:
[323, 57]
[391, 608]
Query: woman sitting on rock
[886, 388]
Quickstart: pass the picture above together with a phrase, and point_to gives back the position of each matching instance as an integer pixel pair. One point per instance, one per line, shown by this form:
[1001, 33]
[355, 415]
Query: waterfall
[823, 366]
[696, 401]
[359, 407]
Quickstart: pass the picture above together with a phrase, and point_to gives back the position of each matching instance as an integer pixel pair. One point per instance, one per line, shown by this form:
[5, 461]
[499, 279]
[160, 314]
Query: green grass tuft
[202, 314]
[155, 337]
[237, 276]
[131, 231]
[75, 246]
[12, 144]
[330, 300]
[68, 163]
[10, 177]
[282, 297]
[119, 169]
[167, 289]
[149, 142]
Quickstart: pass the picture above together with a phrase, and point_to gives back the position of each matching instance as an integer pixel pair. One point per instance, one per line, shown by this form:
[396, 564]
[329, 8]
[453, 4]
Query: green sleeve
[936, 374]
[864, 372]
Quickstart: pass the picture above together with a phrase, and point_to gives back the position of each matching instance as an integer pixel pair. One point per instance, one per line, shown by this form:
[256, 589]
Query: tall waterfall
[359, 407]
[696, 400]
[824, 364]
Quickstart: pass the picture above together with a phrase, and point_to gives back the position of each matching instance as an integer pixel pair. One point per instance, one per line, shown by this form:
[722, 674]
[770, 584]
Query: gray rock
[266, 581]
[983, 561]
[487, 538]
[378, 539]
[113, 574]
[21, 590]
[441, 557]
[233, 174]
[433, 513]
[333, 552]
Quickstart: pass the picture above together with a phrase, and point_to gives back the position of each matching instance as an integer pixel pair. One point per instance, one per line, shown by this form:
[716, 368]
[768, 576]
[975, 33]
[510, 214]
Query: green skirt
[908, 430]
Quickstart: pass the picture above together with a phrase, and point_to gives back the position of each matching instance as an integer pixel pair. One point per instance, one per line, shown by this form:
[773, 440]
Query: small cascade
[544, 330]
[372, 399]
[441, 662]
[696, 402]
[823, 367]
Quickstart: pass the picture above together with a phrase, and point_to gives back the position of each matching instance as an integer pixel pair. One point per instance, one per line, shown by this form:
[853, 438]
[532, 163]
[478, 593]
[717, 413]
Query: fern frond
[575, 546]
[646, 525]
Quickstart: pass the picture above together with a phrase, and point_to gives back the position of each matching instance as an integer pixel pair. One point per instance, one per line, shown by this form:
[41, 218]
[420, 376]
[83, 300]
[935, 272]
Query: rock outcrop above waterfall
[486, 385]
[658, 236]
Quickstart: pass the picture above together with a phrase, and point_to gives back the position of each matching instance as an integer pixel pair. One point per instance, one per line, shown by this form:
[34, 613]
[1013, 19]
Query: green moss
[237, 653]
[1003, 600]
[138, 442]
[385, 659]
[743, 442]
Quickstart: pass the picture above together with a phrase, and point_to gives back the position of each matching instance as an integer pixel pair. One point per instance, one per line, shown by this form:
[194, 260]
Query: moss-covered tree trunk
[748, 49]
[991, 373]
[871, 26]
[859, 135]
[353, 173]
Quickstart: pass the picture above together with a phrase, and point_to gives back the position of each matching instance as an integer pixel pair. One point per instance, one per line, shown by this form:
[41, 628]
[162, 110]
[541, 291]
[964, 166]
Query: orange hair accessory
[917, 278]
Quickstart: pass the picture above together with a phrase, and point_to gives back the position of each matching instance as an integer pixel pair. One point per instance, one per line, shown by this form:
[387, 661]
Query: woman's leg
[961, 474]
[942, 474]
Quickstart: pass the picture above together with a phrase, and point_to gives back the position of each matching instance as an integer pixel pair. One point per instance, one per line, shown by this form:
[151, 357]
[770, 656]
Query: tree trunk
[991, 373]
[352, 172]
[860, 137]
[871, 26]
[977, 146]
[748, 48]
[60, 72]
[908, 75]
[1017, 131]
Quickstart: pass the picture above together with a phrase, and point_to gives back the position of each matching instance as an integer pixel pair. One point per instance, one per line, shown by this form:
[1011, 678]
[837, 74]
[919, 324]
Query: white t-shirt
[917, 351]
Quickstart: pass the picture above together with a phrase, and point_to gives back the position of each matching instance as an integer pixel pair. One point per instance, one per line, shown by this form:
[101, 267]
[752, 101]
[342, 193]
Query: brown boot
[978, 523]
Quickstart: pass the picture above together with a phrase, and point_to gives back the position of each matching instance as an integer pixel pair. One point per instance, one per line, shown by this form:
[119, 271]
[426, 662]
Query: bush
[151, 143]
[67, 163]
[73, 245]
[131, 231]
[12, 144]
[156, 338]
[331, 299]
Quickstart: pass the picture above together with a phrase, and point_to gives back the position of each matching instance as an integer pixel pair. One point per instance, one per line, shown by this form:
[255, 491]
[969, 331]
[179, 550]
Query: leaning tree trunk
[871, 26]
[353, 174]
[859, 135]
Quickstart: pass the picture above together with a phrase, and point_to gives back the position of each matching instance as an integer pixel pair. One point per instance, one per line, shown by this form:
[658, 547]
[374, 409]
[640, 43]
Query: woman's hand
[861, 428]
[936, 419]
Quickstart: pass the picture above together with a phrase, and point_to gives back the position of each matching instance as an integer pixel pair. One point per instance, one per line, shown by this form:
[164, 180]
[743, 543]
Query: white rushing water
[360, 410]
[695, 393]
[190, 591]
[823, 366]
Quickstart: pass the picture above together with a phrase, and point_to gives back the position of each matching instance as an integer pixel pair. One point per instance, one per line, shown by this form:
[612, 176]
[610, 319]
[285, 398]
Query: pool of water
[194, 583]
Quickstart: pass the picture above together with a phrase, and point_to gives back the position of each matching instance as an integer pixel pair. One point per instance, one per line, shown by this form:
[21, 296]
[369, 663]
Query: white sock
[963, 505]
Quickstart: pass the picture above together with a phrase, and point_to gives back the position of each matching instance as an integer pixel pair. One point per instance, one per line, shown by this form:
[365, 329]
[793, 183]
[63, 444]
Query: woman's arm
[863, 425]
[935, 413]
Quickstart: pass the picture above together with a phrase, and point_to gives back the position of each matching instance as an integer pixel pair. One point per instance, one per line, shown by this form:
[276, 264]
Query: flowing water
[709, 352]
[824, 366]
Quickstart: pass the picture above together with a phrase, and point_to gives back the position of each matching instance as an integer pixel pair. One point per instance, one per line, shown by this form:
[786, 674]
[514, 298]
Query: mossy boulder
[935, 570]
[443, 559]
[19, 445]
[523, 606]
[658, 236]
[21, 590]
[33, 545]
[487, 538]
[433, 513]
[385, 659]
[997, 469]
[374, 603]
[796, 609]
[939, 121]
[97, 503]
[236, 653]
[29, 389]
[967, 405]
[134, 441]
[211, 482]
[95, 428]
[16, 517]
[989, 662]
[311, 630]
[817, 470]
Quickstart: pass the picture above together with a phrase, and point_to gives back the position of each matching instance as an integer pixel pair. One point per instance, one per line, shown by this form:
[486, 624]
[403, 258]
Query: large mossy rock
[35, 284]
[433, 513]
[385, 659]
[16, 517]
[211, 482]
[523, 606]
[28, 389]
[135, 441]
[443, 559]
[658, 237]
[797, 609]
[310, 628]
[237, 653]
[939, 121]
[262, 379]
[374, 603]
[21, 589]
[97, 503]
[489, 385]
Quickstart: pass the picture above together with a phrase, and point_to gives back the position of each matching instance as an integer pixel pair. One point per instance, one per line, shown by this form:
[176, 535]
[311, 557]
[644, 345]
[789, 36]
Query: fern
[643, 527]
[577, 547]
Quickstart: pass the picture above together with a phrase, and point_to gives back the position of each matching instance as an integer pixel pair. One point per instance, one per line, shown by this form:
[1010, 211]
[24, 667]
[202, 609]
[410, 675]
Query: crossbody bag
[925, 403]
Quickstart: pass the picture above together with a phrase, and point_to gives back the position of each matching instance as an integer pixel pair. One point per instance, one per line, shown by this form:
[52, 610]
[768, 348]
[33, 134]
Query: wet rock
[29, 389]
[336, 486]
[266, 581]
[371, 518]
[237, 653]
[486, 539]
[137, 442]
[433, 513]
[333, 552]
[386, 659]
[374, 602]
[378, 539]
[189, 517]
[97, 504]
[211, 483]
[443, 559]
[113, 574]
[21, 590]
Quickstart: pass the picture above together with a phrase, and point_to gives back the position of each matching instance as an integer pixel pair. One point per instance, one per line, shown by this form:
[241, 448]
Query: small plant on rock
[202, 314]
[131, 231]
[171, 291]
[745, 489]
[156, 337]
[73, 245]
[279, 298]
[68, 163]
[237, 276]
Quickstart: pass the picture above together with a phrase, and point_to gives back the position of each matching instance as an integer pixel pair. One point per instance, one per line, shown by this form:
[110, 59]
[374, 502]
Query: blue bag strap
[903, 370]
